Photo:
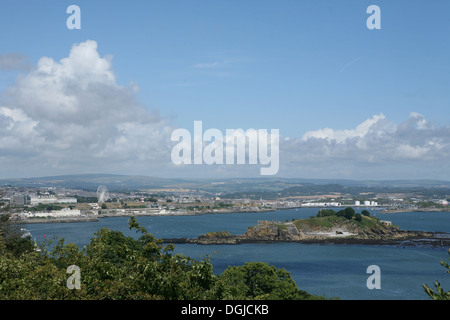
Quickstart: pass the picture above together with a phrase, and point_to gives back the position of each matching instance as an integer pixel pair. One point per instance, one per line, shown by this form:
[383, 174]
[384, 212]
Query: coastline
[399, 238]
[424, 210]
[57, 220]
[328, 228]
[433, 239]
[96, 217]
[142, 213]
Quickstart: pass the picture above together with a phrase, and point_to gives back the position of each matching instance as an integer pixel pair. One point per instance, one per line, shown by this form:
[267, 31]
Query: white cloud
[71, 115]
[376, 148]
[411, 152]
[342, 135]
[214, 64]
[420, 121]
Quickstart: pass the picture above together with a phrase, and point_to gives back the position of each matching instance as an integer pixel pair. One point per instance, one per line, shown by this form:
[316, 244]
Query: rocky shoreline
[57, 220]
[303, 231]
[417, 239]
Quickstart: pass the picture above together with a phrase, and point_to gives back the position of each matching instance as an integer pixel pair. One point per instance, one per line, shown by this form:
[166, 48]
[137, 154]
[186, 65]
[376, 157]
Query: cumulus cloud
[341, 136]
[375, 148]
[72, 115]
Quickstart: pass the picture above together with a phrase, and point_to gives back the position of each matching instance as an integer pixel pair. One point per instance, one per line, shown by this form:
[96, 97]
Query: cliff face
[332, 229]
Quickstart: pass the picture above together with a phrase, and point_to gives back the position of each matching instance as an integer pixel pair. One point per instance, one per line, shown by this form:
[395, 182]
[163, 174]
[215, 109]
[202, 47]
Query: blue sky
[296, 66]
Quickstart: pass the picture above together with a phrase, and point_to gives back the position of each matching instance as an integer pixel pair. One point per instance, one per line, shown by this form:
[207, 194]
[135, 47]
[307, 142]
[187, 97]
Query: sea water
[324, 269]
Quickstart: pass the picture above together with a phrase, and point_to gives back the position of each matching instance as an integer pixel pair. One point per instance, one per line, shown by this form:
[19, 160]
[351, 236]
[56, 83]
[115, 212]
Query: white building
[48, 200]
[67, 212]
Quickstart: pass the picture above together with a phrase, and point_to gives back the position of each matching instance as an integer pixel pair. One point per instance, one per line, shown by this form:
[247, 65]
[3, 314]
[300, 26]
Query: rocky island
[344, 226]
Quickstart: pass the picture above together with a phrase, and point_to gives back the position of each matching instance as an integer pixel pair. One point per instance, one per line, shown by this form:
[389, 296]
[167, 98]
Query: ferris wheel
[102, 194]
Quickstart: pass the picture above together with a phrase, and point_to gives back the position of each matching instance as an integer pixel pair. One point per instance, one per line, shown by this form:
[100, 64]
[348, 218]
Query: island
[341, 227]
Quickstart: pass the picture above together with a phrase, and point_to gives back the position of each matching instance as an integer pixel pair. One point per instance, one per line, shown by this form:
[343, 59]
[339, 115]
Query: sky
[349, 102]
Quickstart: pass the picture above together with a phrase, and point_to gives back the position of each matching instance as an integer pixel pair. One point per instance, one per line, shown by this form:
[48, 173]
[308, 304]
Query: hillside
[252, 188]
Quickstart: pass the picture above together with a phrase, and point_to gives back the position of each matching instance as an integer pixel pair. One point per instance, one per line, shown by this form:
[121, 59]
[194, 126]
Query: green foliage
[222, 205]
[258, 280]
[349, 213]
[327, 218]
[44, 207]
[326, 213]
[440, 294]
[31, 276]
[115, 266]
[11, 236]
[429, 204]
[365, 213]
[317, 222]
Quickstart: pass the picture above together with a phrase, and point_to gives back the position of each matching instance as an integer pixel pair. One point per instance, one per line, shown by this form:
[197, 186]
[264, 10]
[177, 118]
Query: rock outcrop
[313, 230]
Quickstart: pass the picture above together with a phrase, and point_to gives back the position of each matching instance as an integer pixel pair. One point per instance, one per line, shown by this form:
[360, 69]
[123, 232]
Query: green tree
[115, 266]
[340, 213]
[358, 217]
[349, 213]
[439, 294]
[326, 213]
[258, 280]
[12, 235]
[365, 213]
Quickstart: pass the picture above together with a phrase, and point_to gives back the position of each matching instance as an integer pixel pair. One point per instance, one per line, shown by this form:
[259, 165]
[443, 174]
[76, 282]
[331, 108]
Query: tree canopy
[114, 266]
[440, 293]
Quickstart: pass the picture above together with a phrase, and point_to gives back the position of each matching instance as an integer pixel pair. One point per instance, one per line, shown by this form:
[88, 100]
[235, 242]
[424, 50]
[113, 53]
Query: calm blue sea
[331, 270]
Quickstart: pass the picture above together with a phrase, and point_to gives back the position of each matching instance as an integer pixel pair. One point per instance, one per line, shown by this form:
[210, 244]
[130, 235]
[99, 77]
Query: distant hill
[91, 182]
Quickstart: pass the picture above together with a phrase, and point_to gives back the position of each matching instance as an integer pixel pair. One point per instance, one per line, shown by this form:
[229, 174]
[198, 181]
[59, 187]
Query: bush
[365, 213]
[440, 293]
[114, 266]
[349, 213]
[258, 280]
[326, 213]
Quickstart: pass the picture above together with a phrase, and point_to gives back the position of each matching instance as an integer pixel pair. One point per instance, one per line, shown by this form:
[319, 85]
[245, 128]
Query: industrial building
[50, 200]
[20, 200]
